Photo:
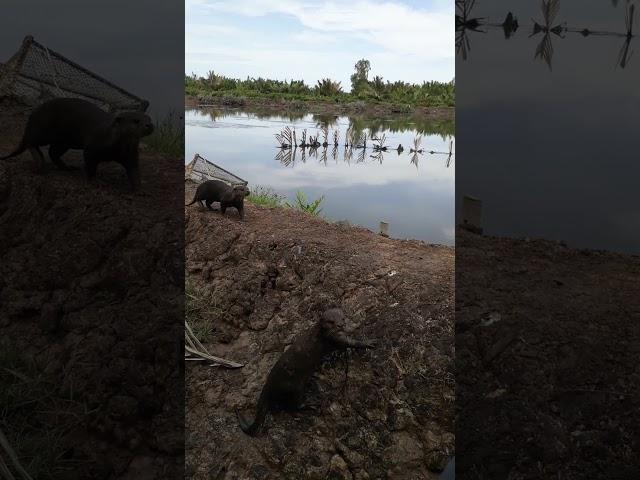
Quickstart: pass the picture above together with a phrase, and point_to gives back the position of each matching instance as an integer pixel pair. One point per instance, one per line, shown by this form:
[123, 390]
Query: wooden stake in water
[384, 229]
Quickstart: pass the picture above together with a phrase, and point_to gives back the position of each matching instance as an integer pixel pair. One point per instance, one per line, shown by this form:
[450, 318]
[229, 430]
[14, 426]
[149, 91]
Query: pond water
[414, 193]
[549, 121]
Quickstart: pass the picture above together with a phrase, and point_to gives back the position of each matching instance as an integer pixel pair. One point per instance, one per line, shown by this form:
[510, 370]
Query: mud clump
[262, 280]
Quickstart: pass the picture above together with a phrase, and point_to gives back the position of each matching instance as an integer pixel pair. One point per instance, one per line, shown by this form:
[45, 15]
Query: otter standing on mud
[73, 123]
[287, 379]
[218, 191]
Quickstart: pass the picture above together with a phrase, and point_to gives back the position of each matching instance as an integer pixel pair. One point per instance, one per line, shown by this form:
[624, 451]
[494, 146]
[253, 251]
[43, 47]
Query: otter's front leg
[90, 166]
[133, 173]
[344, 341]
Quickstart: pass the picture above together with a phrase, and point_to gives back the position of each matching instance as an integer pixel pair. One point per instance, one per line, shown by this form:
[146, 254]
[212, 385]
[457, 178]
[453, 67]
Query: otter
[72, 123]
[218, 191]
[287, 379]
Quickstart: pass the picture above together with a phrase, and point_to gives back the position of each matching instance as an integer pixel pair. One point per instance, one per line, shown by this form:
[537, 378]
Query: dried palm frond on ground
[194, 351]
[5, 472]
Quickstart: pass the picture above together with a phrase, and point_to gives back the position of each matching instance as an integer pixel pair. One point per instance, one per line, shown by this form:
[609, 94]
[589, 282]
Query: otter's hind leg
[133, 173]
[90, 167]
[38, 159]
[55, 152]
[209, 202]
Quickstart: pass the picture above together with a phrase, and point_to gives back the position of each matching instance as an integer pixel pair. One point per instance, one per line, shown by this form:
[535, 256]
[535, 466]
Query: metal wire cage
[36, 74]
[200, 169]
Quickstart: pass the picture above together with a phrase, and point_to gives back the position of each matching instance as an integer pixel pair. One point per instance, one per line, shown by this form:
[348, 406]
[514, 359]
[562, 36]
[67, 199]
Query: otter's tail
[195, 199]
[261, 413]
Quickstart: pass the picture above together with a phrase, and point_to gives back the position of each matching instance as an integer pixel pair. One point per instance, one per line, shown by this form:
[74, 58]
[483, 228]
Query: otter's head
[133, 124]
[333, 320]
[240, 191]
[236, 194]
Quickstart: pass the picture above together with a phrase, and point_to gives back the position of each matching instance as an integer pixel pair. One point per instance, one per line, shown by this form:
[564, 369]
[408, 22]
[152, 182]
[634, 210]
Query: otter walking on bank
[288, 378]
[218, 191]
[72, 123]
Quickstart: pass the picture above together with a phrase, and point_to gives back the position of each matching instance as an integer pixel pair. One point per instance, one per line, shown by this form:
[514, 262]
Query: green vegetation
[168, 136]
[401, 94]
[265, 196]
[34, 416]
[302, 204]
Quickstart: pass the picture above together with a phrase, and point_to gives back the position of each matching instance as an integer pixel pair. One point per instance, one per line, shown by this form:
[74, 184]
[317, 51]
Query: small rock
[142, 468]
[121, 406]
[405, 449]
[50, 318]
[338, 469]
[401, 418]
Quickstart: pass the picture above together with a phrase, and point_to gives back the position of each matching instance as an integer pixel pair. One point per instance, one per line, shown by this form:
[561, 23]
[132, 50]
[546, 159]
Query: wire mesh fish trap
[36, 74]
[200, 170]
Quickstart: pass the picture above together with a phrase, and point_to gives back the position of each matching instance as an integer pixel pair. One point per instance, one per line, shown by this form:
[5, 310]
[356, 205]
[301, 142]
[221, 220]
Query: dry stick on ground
[194, 347]
[4, 469]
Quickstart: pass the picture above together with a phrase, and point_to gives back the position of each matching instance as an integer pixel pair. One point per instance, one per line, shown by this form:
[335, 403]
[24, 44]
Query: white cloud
[393, 26]
[402, 42]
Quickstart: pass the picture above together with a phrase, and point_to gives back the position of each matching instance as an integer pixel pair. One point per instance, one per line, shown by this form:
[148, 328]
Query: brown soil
[388, 415]
[269, 105]
[547, 378]
[91, 289]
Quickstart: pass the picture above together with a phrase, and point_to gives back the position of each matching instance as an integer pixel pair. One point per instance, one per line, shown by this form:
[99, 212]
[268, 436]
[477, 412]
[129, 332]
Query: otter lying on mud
[72, 123]
[218, 191]
[287, 379]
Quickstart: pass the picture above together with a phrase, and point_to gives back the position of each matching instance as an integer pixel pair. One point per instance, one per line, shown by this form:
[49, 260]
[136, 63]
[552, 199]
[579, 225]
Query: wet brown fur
[285, 385]
[218, 191]
[72, 123]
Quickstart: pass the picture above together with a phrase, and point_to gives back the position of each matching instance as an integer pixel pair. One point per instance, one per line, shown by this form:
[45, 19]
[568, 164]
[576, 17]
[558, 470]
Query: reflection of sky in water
[418, 202]
[552, 153]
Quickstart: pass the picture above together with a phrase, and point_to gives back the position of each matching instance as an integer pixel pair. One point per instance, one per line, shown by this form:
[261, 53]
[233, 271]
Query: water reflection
[549, 27]
[363, 166]
[288, 146]
[552, 154]
[288, 156]
[443, 128]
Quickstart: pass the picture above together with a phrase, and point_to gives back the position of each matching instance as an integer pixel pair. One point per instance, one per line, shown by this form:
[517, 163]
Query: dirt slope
[388, 415]
[547, 378]
[91, 282]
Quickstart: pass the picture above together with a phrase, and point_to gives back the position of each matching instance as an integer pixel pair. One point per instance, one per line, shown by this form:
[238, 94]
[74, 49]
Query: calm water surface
[549, 122]
[414, 193]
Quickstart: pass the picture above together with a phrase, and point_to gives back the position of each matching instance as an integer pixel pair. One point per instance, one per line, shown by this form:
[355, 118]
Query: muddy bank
[269, 105]
[91, 285]
[386, 413]
[547, 348]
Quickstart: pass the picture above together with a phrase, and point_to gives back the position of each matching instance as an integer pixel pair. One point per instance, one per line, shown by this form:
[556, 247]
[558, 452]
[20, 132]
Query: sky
[137, 45]
[407, 40]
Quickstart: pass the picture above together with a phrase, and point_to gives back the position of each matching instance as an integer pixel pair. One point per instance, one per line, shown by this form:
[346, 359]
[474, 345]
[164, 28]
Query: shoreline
[444, 114]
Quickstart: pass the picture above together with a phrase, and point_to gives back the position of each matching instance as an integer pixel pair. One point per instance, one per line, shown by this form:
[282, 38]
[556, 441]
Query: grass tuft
[167, 138]
[265, 196]
[36, 416]
[301, 203]
[200, 311]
